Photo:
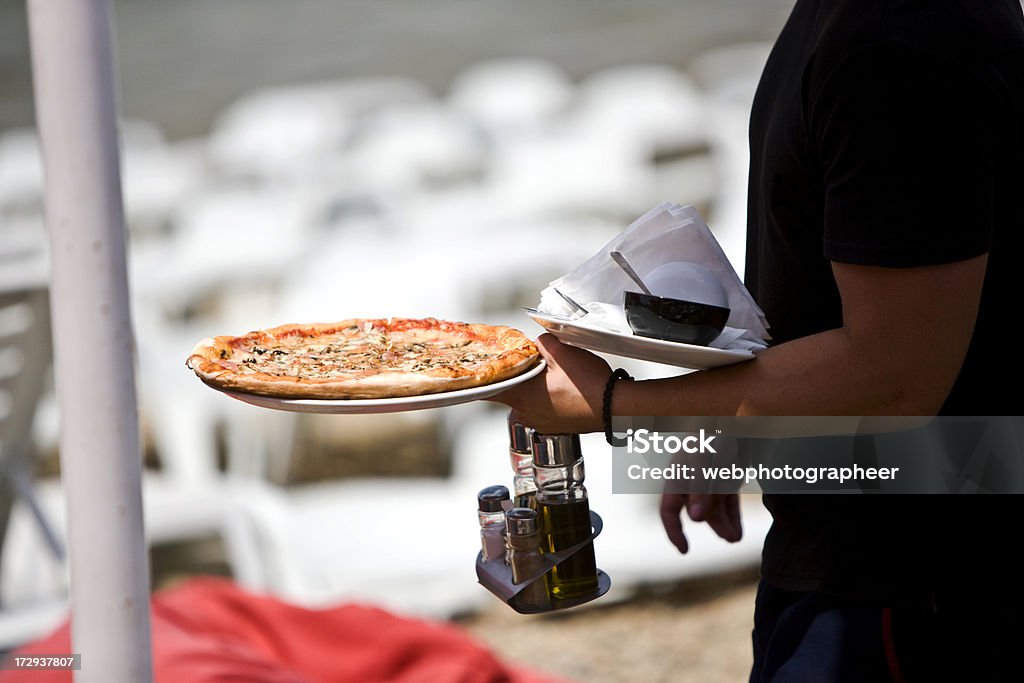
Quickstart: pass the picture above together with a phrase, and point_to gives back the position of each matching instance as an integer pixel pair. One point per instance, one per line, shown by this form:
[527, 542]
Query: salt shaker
[491, 504]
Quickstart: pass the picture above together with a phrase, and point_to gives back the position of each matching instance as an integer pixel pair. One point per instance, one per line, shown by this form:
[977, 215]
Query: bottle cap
[556, 450]
[521, 521]
[491, 498]
[519, 436]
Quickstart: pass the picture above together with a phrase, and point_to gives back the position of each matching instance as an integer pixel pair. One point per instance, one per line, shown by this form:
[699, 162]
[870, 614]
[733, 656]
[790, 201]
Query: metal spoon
[624, 264]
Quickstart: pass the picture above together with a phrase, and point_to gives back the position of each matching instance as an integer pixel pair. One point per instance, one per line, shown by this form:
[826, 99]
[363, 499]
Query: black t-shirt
[889, 133]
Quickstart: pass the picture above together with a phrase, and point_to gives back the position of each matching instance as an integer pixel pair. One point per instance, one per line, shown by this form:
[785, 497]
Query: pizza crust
[431, 346]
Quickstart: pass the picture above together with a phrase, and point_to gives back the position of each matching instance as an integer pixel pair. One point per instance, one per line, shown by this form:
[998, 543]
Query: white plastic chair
[511, 98]
[656, 104]
[24, 360]
[409, 147]
[21, 170]
[278, 133]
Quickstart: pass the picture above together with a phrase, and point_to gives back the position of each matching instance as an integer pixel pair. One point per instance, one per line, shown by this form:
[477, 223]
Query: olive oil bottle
[564, 511]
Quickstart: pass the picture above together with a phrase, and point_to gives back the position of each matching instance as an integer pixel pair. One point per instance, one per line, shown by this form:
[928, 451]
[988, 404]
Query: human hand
[720, 510]
[567, 397]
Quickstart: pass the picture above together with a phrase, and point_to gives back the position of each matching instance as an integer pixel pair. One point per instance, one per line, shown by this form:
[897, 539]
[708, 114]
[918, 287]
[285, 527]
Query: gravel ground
[698, 630]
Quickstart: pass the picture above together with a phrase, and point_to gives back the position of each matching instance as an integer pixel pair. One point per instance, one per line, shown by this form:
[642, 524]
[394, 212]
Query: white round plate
[632, 346]
[364, 406]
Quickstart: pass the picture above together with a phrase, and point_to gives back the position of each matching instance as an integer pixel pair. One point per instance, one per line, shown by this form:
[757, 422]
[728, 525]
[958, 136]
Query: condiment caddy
[548, 535]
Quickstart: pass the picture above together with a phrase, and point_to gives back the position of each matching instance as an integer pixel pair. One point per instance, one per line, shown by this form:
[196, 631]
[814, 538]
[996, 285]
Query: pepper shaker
[524, 555]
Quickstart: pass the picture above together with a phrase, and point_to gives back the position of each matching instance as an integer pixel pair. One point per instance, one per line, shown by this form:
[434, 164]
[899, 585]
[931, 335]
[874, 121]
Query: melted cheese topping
[350, 354]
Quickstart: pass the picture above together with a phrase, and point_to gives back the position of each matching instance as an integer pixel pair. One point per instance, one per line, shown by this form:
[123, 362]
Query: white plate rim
[656, 344]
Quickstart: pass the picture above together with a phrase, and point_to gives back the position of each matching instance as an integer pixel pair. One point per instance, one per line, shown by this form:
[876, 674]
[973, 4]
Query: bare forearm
[823, 374]
[904, 337]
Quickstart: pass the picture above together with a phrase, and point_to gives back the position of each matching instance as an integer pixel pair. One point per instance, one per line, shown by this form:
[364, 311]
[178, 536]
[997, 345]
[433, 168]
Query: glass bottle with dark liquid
[564, 512]
[525, 558]
[520, 450]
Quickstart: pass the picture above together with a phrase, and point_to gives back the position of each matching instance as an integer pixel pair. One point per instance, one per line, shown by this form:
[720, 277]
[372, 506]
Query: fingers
[528, 392]
[671, 509]
[720, 511]
[566, 397]
[700, 506]
[532, 391]
[557, 354]
[572, 359]
[549, 348]
[549, 345]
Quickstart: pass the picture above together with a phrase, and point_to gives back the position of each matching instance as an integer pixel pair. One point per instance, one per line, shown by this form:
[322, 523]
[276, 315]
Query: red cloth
[210, 631]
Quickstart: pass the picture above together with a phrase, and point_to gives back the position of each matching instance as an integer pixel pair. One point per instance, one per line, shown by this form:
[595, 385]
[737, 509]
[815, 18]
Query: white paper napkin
[668, 232]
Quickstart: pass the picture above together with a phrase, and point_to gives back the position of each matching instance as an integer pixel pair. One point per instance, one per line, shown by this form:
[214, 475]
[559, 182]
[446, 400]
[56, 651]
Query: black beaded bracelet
[606, 406]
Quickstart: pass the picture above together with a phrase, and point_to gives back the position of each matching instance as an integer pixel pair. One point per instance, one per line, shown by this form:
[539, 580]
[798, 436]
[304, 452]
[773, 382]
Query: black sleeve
[905, 141]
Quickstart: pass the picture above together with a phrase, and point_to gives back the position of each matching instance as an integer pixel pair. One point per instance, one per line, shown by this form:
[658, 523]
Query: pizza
[363, 358]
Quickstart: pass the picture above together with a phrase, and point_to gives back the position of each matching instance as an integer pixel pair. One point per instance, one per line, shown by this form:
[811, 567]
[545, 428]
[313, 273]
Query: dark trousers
[815, 638]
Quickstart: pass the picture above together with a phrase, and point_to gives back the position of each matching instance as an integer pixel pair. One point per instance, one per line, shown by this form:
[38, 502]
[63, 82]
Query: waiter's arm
[904, 336]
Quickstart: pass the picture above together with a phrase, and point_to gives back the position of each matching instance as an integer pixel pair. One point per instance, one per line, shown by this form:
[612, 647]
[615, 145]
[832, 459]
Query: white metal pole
[76, 112]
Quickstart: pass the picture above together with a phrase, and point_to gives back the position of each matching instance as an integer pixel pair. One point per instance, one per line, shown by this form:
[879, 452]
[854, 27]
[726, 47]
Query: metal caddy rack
[496, 576]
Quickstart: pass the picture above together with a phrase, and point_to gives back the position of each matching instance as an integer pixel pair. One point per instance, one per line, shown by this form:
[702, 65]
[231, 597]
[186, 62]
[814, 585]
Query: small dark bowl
[674, 319]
